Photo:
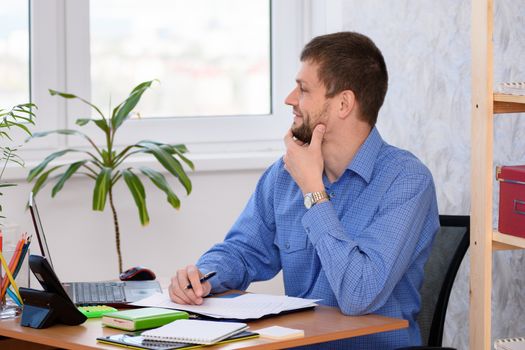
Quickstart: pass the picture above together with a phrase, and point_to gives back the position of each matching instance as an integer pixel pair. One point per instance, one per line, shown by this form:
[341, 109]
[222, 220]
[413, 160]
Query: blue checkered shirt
[363, 251]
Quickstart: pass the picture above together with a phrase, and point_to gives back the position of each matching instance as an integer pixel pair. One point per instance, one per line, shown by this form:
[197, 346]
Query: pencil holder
[17, 262]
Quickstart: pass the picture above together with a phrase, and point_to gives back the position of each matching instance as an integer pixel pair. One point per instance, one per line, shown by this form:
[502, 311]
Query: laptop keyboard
[99, 292]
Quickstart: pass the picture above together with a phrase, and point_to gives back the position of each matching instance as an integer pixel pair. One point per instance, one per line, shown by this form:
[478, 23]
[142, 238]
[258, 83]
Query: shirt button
[332, 194]
[287, 245]
[308, 229]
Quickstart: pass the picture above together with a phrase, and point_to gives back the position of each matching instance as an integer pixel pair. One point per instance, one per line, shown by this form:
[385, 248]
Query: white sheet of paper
[246, 306]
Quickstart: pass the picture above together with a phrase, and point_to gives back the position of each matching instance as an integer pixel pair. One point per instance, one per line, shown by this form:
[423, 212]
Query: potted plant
[17, 117]
[105, 165]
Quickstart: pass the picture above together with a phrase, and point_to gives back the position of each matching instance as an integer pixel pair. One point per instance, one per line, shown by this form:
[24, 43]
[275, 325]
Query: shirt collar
[364, 160]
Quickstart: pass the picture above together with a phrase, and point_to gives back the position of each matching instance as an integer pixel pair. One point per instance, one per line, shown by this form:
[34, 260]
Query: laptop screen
[38, 229]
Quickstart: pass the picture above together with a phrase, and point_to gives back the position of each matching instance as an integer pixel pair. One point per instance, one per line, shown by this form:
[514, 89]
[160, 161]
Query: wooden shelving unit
[509, 103]
[512, 242]
[484, 238]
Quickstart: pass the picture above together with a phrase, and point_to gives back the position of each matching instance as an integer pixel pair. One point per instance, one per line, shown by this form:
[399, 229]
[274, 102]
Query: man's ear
[347, 103]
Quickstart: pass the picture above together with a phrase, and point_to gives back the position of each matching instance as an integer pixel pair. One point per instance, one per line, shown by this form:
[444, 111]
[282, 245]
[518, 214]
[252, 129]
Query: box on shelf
[511, 199]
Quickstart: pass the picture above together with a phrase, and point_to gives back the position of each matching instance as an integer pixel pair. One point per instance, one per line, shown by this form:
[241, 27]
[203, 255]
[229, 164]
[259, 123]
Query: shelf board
[504, 103]
[501, 241]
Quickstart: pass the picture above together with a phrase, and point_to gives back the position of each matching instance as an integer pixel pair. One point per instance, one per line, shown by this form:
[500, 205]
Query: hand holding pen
[203, 278]
[192, 293]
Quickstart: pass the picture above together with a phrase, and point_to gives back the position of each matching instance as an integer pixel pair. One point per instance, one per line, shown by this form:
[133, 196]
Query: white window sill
[204, 162]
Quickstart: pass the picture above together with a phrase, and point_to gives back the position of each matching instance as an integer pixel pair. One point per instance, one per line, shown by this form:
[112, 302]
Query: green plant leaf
[60, 132]
[124, 154]
[82, 121]
[28, 105]
[7, 185]
[17, 117]
[181, 148]
[61, 94]
[174, 150]
[178, 149]
[8, 124]
[40, 167]
[9, 155]
[101, 190]
[185, 160]
[122, 111]
[170, 163]
[26, 108]
[70, 132]
[42, 179]
[139, 194]
[160, 181]
[70, 96]
[105, 157]
[15, 159]
[66, 175]
[101, 123]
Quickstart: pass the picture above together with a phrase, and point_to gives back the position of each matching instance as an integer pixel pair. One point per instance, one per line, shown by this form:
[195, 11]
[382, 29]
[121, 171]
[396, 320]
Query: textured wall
[426, 45]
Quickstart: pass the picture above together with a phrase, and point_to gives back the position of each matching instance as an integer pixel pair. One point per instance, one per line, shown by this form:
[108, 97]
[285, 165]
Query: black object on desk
[52, 305]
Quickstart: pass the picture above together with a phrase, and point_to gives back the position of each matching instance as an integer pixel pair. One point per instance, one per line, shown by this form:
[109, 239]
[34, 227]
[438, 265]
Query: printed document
[243, 307]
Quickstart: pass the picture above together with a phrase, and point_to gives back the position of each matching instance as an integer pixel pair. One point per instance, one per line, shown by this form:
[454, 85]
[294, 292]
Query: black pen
[203, 278]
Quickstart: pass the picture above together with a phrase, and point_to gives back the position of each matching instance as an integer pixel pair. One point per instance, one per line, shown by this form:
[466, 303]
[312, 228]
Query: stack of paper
[243, 307]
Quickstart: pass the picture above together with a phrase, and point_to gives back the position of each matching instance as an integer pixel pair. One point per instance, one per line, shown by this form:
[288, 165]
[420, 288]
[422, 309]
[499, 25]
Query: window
[212, 57]
[234, 112]
[14, 53]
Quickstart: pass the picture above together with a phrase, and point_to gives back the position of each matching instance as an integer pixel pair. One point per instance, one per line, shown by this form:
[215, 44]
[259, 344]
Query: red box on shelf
[511, 200]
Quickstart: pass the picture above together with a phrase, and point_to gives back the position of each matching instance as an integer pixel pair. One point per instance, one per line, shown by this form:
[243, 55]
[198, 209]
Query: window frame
[61, 59]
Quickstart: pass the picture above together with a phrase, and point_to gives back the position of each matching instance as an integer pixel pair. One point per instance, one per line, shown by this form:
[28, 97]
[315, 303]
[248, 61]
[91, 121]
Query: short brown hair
[350, 61]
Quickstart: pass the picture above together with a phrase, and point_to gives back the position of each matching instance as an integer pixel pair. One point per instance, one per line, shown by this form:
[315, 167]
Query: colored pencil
[13, 263]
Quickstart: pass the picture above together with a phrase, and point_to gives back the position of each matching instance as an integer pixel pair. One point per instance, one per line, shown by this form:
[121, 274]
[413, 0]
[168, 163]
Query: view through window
[212, 57]
[14, 53]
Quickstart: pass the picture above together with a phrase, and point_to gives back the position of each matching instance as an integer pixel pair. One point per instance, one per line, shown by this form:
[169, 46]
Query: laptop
[94, 293]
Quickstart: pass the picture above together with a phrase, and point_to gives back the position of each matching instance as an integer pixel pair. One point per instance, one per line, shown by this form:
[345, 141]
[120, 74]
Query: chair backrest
[447, 252]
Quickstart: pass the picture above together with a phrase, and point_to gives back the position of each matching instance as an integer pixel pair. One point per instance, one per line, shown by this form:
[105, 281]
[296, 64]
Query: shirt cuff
[214, 281]
[321, 219]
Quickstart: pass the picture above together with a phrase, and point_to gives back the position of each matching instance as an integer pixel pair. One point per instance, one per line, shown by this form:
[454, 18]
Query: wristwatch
[313, 197]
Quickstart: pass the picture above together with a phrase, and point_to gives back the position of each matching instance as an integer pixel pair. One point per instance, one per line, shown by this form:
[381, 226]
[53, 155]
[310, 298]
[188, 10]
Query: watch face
[308, 200]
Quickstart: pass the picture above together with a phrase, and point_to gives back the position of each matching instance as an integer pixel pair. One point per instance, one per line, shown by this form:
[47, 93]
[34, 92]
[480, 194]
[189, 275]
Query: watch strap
[317, 196]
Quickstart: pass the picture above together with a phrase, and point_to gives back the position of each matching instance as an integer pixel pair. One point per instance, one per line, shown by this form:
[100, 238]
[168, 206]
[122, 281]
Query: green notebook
[136, 319]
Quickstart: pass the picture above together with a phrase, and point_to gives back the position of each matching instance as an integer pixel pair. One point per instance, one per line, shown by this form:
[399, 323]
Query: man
[348, 218]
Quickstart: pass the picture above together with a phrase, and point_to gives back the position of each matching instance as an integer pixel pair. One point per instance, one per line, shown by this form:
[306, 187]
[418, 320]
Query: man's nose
[291, 99]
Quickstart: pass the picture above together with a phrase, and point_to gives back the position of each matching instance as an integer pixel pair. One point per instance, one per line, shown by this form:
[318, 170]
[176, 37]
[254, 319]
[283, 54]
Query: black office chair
[447, 252]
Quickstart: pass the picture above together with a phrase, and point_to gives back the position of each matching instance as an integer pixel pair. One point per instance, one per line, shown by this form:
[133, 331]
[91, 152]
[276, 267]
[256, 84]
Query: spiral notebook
[510, 344]
[136, 341]
[195, 331]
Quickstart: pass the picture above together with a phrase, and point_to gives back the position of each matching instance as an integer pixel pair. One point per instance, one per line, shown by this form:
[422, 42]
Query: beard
[304, 131]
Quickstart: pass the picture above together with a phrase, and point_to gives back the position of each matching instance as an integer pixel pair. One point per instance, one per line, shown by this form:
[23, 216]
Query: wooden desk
[320, 325]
